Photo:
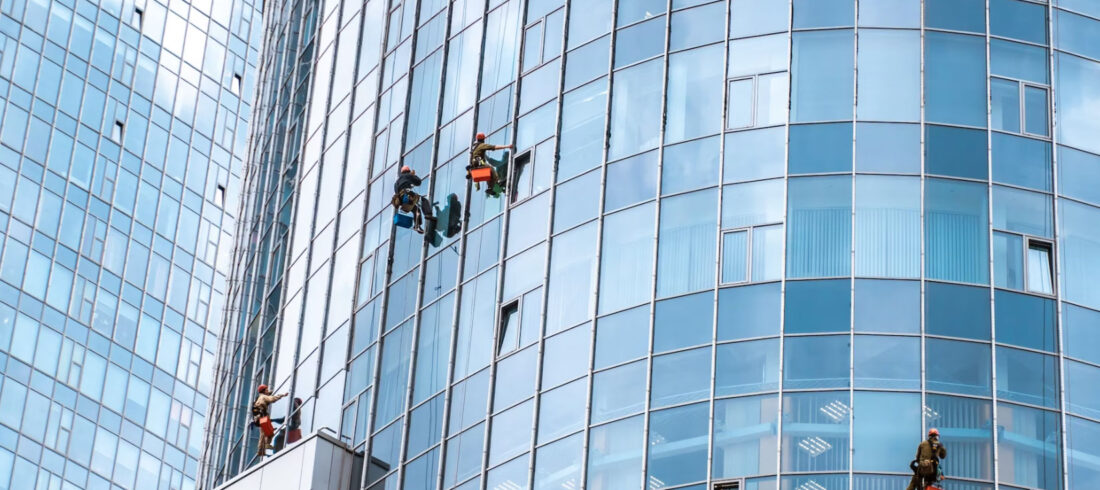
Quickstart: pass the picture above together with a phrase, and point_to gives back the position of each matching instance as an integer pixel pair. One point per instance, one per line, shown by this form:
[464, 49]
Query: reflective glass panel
[817, 306]
[753, 203]
[1074, 90]
[1005, 96]
[890, 13]
[557, 465]
[958, 367]
[823, 13]
[561, 411]
[511, 433]
[754, 17]
[1080, 246]
[764, 54]
[635, 109]
[587, 62]
[694, 94]
[883, 431]
[1023, 211]
[745, 436]
[1027, 377]
[822, 76]
[686, 243]
[689, 166]
[955, 15]
[681, 377]
[582, 129]
[1081, 451]
[622, 336]
[1025, 162]
[1083, 389]
[965, 426]
[820, 148]
[748, 311]
[890, 148]
[569, 296]
[1008, 257]
[615, 454]
[735, 249]
[747, 367]
[887, 306]
[1030, 446]
[640, 42]
[1020, 20]
[956, 311]
[626, 276]
[678, 444]
[956, 242]
[767, 253]
[816, 362]
[819, 227]
[618, 392]
[1037, 121]
[954, 75]
[887, 226]
[956, 152]
[889, 75]
[1018, 60]
[635, 181]
[1078, 170]
[695, 27]
[887, 362]
[815, 431]
[1025, 320]
[1081, 331]
[754, 155]
[684, 321]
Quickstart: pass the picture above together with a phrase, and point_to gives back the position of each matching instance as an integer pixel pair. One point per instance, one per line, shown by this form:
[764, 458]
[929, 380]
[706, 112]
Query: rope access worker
[404, 199]
[926, 466]
[262, 408]
[478, 160]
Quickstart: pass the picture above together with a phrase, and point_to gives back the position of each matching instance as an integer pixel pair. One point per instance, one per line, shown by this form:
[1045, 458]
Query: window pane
[764, 54]
[1039, 270]
[887, 226]
[887, 362]
[686, 243]
[734, 252]
[569, 297]
[821, 76]
[1006, 104]
[889, 75]
[890, 13]
[1083, 389]
[587, 62]
[1035, 100]
[617, 392]
[596, 22]
[635, 178]
[394, 375]
[622, 336]
[887, 306]
[557, 465]
[511, 475]
[771, 99]
[767, 253]
[511, 433]
[635, 109]
[1080, 246]
[1025, 162]
[689, 166]
[582, 129]
[626, 276]
[820, 227]
[515, 378]
[823, 13]
[576, 202]
[635, 11]
[817, 306]
[1017, 60]
[639, 42]
[754, 155]
[1027, 377]
[892, 148]
[956, 242]
[1075, 87]
[748, 311]
[615, 454]
[683, 322]
[696, 27]
[681, 377]
[955, 15]
[753, 203]
[566, 356]
[1025, 320]
[884, 429]
[956, 311]
[815, 432]
[967, 372]
[1020, 20]
[816, 362]
[739, 106]
[753, 17]
[1029, 447]
[969, 422]
[821, 148]
[561, 411]
[956, 152]
[1023, 211]
[468, 402]
[1008, 256]
[747, 367]
[678, 445]
[1082, 451]
[694, 94]
[745, 436]
[1080, 334]
[954, 85]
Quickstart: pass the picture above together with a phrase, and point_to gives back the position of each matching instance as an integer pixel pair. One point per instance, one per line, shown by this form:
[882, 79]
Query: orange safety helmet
[933, 432]
[406, 169]
[480, 136]
[261, 389]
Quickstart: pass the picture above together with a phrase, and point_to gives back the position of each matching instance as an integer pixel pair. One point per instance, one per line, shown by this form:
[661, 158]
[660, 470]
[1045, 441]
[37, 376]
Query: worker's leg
[261, 448]
[913, 483]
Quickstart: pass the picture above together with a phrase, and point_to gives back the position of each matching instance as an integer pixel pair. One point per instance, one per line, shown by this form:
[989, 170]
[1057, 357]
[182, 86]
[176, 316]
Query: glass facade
[746, 239]
[124, 127]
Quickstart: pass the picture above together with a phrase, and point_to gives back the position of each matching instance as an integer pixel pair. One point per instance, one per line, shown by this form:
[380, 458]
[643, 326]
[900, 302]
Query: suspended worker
[404, 199]
[479, 160]
[926, 468]
[261, 408]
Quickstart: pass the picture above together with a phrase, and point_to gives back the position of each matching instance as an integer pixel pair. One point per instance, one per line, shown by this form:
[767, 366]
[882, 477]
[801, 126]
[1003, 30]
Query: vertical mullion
[852, 252]
[783, 278]
[989, 233]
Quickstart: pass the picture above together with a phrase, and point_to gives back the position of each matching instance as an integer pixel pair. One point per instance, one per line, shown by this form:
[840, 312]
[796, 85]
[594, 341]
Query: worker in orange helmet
[926, 466]
[478, 159]
[262, 408]
[405, 199]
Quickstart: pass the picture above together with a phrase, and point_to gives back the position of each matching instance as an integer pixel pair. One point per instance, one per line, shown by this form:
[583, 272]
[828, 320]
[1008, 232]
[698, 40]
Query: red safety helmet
[480, 136]
[933, 432]
[261, 389]
[406, 169]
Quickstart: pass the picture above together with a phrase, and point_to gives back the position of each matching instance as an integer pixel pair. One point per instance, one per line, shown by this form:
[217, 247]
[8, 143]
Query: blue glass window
[686, 243]
[626, 276]
[576, 201]
[1082, 389]
[954, 83]
[1081, 332]
[686, 166]
[635, 179]
[823, 13]
[1005, 97]
[888, 362]
[819, 231]
[1025, 320]
[1020, 20]
[569, 295]
[1018, 60]
[958, 367]
[1030, 446]
[1036, 119]
[463, 455]
[747, 367]
[821, 148]
[890, 13]
[956, 240]
[595, 22]
[615, 454]
[1025, 162]
[515, 378]
[1027, 377]
[1081, 451]
[426, 426]
[394, 373]
[631, 12]
[767, 253]
[883, 431]
[1076, 33]
[681, 377]
[822, 72]
[582, 129]
[752, 203]
[1023, 211]
[678, 444]
[696, 27]
[955, 15]
[635, 110]
[887, 306]
[815, 432]
[958, 418]
[1080, 246]
[817, 306]
[1074, 87]
[562, 410]
[566, 356]
[694, 96]
[557, 464]
[815, 362]
[1008, 260]
[956, 152]
[735, 252]
[748, 311]
[889, 75]
[622, 336]
[421, 473]
[756, 154]
[753, 56]
[468, 402]
[956, 311]
[618, 392]
[745, 436]
[754, 17]
[887, 226]
[639, 42]
[889, 148]
[587, 62]
[684, 321]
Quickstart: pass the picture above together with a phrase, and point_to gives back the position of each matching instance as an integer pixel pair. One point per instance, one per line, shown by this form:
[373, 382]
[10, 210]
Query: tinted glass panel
[955, 416]
[1081, 330]
[1083, 389]
[635, 109]
[511, 433]
[747, 367]
[1018, 60]
[958, 367]
[887, 362]
[817, 306]
[1025, 320]
[956, 152]
[687, 166]
[819, 230]
[956, 240]
[883, 432]
[892, 148]
[887, 226]
[557, 465]
[822, 418]
[683, 321]
[745, 436]
[887, 306]
[562, 410]
[622, 336]
[1080, 246]
[748, 311]
[695, 85]
[956, 311]
[626, 276]
[617, 392]
[1025, 162]
[615, 454]
[954, 76]
[639, 42]
[823, 13]
[752, 203]
[816, 362]
[753, 17]
[635, 181]
[1032, 440]
[955, 15]
[889, 75]
[681, 377]
[754, 155]
[1019, 20]
[1027, 377]
[698, 26]
[822, 75]
[1074, 89]
[820, 148]
[1022, 211]
[678, 444]
[890, 13]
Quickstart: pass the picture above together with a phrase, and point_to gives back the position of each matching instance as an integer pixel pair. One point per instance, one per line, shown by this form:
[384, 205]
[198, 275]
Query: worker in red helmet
[262, 408]
[478, 159]
[926, 466]
[405, 199]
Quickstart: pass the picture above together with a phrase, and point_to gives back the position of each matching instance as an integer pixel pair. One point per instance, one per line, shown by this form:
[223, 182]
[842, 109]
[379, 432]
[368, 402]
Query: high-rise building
[124, 126]
[758, 242]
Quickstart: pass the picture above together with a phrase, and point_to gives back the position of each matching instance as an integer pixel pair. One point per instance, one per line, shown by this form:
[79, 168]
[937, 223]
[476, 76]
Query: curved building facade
[751, 241]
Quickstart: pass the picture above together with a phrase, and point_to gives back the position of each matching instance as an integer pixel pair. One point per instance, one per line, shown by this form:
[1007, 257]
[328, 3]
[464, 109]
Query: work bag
[265, 426]
[926, 467]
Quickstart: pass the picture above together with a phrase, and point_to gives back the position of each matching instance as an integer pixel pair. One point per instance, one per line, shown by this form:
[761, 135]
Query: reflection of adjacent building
[746, 241]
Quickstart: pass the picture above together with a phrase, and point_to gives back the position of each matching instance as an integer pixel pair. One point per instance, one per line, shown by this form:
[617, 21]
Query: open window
[522, 177]
[136, 18]
[520, 322]
[116, 132]
[728, 485]
[508, 336]
[219, 196]
[1040, 267]
[235, 85]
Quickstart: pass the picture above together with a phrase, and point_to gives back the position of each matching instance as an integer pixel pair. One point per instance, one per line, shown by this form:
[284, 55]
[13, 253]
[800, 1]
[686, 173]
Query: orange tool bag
[266, 427]
[481, 174]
